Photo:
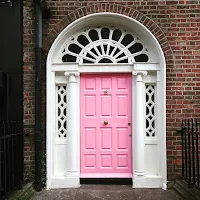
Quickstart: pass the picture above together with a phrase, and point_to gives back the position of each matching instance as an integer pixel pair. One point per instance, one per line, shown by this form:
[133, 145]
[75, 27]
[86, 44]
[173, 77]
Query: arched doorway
[121, 57]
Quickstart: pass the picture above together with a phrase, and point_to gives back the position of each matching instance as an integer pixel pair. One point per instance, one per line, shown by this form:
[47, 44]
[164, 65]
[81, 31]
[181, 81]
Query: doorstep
[106, 192]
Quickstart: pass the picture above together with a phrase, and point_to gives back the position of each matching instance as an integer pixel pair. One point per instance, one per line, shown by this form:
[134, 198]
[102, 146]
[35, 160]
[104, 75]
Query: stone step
[190, 193]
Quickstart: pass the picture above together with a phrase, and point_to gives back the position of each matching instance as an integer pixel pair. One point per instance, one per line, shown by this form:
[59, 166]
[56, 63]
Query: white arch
[158, 58]
[108, 18]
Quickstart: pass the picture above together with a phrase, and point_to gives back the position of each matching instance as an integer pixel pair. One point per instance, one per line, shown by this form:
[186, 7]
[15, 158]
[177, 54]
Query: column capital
[143, 73]
[72, 76]
[76, 73]
[139, 75]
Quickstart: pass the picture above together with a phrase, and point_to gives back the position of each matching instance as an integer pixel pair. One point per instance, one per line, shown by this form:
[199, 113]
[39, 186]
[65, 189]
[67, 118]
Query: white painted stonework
[148, 103]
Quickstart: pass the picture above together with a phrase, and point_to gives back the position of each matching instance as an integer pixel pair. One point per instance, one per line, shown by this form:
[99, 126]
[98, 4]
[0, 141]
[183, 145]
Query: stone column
[138, 128]
[72, 137]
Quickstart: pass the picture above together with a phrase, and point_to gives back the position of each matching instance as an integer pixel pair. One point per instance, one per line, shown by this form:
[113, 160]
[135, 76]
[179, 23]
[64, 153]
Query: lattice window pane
[150, 111]
[104, 45]
[61, 111]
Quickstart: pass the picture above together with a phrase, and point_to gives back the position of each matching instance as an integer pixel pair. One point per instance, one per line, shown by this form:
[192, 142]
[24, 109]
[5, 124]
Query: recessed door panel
[122, 83]
[90, 161]
[106, 138]
[122, 138]
[90, 84]
[90, 138]
[106, 161]
[122, 105]
[90, 105]
[105, 133]
[106, 83]
[122, 161]
[106, 108]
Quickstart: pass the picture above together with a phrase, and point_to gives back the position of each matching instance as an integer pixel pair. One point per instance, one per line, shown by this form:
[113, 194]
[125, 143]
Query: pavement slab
[106, 192]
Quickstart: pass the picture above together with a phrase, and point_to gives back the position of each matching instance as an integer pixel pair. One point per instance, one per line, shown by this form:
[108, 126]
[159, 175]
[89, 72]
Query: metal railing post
[190, 152]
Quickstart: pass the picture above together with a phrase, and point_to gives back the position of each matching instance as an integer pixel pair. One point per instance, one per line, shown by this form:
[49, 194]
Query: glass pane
[87, 61]
[128, 38]
[83, 40]
[105, 60]
[105, 33]
[68, 58]
[123, 61]
[121, 55]
[89, 56]
[116, 34]
[93, 35]
[141, 58]
[74, 48]
[135, 48]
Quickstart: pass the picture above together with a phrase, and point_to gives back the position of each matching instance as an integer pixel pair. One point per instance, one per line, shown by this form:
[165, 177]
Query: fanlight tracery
[104, 45]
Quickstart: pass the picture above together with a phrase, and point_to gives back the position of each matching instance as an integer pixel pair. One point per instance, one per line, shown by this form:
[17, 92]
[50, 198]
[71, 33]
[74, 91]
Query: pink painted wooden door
[106, 149]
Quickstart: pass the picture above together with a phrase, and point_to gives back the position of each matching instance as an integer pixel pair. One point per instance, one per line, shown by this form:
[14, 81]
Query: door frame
[71, 176]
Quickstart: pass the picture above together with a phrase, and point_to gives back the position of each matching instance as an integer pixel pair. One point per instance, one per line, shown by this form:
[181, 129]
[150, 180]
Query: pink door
[106, 126]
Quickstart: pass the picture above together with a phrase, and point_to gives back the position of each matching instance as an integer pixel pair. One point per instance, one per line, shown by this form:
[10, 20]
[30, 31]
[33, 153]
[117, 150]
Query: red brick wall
[176, 25]
[29, 90]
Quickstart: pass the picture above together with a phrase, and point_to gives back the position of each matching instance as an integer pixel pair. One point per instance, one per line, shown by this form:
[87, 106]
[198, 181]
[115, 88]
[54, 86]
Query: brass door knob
[105, 122]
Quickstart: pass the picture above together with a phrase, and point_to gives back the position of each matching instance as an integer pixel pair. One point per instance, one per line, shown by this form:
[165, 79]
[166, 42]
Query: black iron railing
[191, 152]
[11, 157]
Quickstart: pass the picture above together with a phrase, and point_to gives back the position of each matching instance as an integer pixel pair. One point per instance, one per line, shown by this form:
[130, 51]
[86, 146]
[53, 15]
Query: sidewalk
[106, 192]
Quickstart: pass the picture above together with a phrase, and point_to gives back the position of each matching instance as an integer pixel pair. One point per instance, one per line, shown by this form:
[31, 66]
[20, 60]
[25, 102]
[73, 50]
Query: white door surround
[63, 108]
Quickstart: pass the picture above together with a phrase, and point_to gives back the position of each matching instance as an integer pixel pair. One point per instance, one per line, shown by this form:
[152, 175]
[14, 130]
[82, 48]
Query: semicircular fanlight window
[104, 45]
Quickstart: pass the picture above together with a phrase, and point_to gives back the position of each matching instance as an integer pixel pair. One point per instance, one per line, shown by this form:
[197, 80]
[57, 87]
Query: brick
[175, 24]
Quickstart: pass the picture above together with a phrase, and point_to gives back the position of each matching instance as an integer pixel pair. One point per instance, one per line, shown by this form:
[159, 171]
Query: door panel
[106, 106]
[106, 148]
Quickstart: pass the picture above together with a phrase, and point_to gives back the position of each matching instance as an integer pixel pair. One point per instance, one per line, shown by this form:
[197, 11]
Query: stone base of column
[72, 173]
[69, 181]
[139, 173]
[147, 181]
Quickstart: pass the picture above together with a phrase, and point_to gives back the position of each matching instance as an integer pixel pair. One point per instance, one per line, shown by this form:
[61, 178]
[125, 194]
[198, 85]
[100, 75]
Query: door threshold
[107, 181]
